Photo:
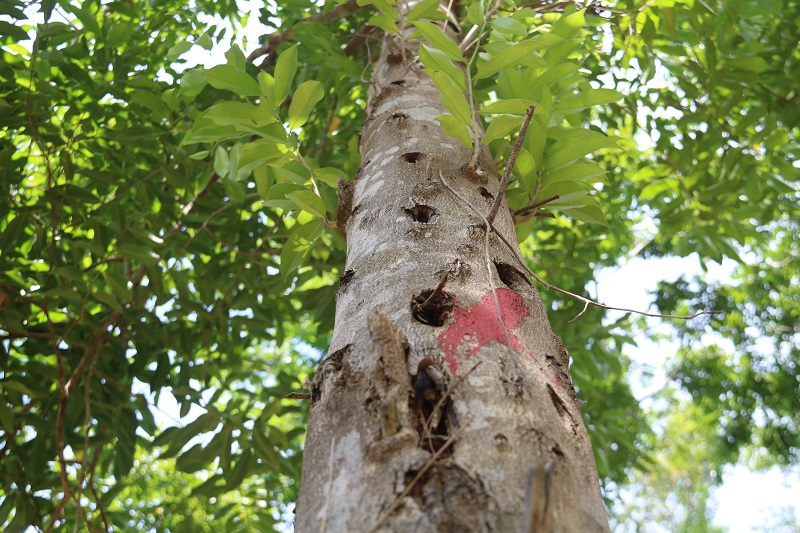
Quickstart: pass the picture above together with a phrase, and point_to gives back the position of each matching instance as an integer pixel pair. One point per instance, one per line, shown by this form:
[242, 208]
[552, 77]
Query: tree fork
[517, 411]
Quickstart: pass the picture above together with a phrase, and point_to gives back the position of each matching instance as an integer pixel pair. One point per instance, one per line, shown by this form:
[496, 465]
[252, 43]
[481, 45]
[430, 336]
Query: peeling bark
[522, 458]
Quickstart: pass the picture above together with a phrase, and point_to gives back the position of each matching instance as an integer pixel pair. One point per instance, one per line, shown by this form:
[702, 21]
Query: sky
[745, 500]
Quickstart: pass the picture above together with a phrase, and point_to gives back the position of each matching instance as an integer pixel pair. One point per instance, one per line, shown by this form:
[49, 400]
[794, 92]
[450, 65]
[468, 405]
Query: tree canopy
[169, 232]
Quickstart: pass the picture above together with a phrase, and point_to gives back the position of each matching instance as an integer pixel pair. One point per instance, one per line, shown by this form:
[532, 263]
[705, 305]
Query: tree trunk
[490, 436]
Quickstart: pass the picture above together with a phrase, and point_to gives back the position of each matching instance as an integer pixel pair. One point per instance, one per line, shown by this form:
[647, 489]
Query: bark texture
[517, 456]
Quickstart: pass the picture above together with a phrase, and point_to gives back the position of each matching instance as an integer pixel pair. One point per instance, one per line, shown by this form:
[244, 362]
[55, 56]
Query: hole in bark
[432, 309]
[501, 441]
[411, 157]
[512, 278]
[421, 213]
[344, 281]
[485, 193]
[399, 82]
[400, 116]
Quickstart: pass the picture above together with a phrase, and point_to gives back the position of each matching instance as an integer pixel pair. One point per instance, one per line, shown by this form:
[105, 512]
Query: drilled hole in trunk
[512, 278]
[344, 281]
[485, 193]
[432, 309]
[411, 157]
[421, 213]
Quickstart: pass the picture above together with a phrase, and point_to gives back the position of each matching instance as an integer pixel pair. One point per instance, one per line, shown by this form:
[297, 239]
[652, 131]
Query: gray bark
[517, 455]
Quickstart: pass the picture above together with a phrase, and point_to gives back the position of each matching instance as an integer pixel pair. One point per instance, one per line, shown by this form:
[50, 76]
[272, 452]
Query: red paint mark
[478, 325]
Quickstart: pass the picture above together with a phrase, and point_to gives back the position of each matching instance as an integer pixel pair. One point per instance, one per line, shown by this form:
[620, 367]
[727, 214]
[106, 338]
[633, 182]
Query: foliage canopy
[167, 232]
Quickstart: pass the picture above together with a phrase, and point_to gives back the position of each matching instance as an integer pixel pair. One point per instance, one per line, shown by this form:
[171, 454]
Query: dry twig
[501, 190]
[429, 463]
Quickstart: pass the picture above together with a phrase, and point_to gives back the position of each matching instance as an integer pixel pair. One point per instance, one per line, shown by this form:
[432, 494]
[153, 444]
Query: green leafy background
[169, 262]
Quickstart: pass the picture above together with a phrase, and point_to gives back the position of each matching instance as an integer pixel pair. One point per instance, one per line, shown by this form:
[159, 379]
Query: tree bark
[496, 444]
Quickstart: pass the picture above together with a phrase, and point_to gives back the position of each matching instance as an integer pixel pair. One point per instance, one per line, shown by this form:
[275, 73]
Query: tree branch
[268, 49]
[501, 190]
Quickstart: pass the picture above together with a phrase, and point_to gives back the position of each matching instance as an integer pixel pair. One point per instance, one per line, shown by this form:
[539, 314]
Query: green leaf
[205, 42]
[454, 128]
[592, 214]
[551, 75]
[107, 299]
[452, 98]
[138, 253]
[576, 147]
[195, 458]
[285, 69]
[328, 175]
[232, 79]
[570, 194]
[509, 26]
[511, 56]
[575, 172]
[177, 438]
[266, 83]
[236, 58]
[476, 12]
[178, 49]
[192, 83]
[383, 22]
[434, 35]
[263, 180]
[588, 98]
[235, 476]
[6, 416]
[277, 196]
[747, 63]
[568, 26]
[6, 28]
[512, 106]
[525, 170]
[426, 9]
[659, 188]
[307, 95]
[308, 201]
[386, 7]
[266, 450]
[233, 113]
[501, 126]
[437, 61]
[299, 245]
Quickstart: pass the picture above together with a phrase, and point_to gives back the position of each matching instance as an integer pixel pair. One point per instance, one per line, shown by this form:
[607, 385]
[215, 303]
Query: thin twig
[436, 292]
[587, 301]
[429, 463]
[449, 391]
[530, 207]
[488, 226]
[501, 190]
